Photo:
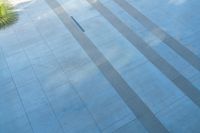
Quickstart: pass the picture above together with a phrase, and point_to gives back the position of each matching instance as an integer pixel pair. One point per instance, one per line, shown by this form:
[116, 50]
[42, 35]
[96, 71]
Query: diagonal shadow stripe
[133, 101]
[179, 48]
[169, 71]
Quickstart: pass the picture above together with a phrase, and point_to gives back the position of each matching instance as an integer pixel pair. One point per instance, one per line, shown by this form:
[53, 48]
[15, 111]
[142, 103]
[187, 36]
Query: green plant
[7, 14]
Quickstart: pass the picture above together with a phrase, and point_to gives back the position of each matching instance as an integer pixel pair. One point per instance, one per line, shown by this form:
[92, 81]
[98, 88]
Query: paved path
[101, 66]
[142, 112]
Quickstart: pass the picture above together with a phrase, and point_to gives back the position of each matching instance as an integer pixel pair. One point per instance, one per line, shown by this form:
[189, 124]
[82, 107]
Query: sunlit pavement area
[101, 66]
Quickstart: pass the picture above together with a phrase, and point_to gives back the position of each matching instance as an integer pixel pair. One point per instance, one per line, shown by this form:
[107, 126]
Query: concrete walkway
[101, 66]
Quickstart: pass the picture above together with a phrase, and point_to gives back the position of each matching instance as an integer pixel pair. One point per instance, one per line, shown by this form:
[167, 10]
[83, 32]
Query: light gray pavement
[102, 71]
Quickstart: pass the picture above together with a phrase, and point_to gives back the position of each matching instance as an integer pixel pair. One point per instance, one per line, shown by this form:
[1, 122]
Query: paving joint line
[166, 38]
[19, 96]
[161, 64]
[69, 82]
[133, 101]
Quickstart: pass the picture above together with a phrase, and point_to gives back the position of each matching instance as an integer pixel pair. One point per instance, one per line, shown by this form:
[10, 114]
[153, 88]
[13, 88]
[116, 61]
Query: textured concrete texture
[101, 66]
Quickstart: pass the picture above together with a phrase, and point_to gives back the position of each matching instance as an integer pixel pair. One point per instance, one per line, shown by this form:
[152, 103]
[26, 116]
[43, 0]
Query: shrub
[7, 14]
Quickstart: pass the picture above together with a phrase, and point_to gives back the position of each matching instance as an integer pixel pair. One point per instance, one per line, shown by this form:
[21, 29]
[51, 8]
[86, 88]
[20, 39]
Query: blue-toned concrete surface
[50, 84]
